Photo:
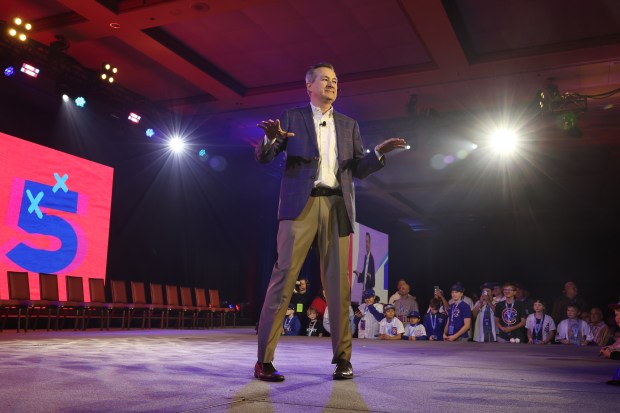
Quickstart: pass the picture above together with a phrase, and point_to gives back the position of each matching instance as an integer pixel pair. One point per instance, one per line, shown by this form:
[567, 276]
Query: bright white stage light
[65, 98]
[176, 144]
[504, 140]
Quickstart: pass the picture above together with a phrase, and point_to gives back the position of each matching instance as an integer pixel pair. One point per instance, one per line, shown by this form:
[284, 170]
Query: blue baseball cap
[368, 293]
[457, 287]
[413, 314]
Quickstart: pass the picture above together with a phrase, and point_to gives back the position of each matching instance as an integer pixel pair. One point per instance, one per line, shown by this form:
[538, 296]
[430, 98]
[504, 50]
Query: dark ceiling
[440, 73]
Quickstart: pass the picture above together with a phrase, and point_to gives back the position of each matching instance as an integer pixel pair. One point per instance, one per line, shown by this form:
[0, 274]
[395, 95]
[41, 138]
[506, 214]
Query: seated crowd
[501, 313]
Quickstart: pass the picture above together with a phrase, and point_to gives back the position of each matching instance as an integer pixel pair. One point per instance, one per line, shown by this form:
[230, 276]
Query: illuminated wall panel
[54, 214]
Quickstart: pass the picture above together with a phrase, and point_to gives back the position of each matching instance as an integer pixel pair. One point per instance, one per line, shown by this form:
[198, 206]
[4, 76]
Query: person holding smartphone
[485, 330]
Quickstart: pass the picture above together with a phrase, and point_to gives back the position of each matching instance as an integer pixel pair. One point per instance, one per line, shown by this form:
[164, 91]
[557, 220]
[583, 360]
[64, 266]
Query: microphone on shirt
[324, 123]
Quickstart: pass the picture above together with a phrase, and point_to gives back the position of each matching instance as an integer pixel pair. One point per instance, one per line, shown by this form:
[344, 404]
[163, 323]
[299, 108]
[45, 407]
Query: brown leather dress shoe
[344, 370]
[266, 372]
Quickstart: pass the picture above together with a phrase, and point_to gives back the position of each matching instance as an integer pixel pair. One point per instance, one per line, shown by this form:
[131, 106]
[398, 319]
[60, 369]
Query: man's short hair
[310, 75]
[575, 306]
[434, 303]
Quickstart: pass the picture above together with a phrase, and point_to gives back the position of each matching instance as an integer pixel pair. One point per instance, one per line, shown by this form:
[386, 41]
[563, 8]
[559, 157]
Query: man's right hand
[273, 130]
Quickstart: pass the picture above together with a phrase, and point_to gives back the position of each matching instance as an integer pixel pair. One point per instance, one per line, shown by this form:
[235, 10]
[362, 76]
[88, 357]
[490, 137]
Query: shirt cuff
[379, 156]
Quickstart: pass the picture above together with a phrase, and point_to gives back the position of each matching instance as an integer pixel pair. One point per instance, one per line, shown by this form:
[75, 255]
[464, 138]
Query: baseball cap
[488, 285]
[414, 314]
[457, 287]
[388, 307]
[368, 293]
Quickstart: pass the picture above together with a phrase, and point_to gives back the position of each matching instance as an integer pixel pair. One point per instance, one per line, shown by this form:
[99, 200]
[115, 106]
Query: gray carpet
[211, 371]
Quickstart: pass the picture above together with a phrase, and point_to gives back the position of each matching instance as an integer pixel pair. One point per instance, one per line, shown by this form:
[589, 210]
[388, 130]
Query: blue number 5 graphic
[33, 221]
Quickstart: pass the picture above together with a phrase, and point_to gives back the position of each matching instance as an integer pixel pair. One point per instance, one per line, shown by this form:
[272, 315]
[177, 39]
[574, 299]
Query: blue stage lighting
[9, 71]
[202, 155]
[80, 102]
[150, 133]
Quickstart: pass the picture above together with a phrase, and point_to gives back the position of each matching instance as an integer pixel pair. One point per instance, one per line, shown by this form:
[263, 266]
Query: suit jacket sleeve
[266, 151]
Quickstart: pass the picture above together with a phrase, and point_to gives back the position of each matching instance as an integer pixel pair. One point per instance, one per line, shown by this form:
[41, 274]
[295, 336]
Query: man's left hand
[390, 144]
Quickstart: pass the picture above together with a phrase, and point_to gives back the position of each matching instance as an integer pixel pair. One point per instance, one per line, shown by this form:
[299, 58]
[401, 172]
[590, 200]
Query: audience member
[498, 295]
[396, 295]
[484, 315]
[301, 300]
[326, 325]
[573, 330]
[510, 316]
[521, 294]
[600, 331]
[540, 326]
[585, 316]
[438, 295]
[569, 296]
[415, 330]
[292, 325]
[445, 304]
[459, 316]
[434, 321]
[613, 351]
[315, 325]
[390, 328]
[405, 303]
[319, 303]
[368, 316]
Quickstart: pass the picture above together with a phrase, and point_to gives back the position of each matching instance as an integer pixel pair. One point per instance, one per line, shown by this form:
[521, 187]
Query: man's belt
[323, 191]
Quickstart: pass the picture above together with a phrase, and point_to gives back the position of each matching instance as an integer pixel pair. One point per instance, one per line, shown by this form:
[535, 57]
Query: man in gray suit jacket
[324, 153]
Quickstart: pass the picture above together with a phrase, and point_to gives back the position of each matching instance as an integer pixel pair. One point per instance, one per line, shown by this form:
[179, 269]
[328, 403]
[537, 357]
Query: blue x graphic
[60, 182]
[34, 203]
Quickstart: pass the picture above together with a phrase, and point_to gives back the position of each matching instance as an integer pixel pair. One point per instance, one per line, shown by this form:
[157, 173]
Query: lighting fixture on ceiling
[19, 29]
[30, 70]
[108, 72]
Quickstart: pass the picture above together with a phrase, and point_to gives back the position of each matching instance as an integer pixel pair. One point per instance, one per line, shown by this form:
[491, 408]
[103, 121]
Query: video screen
[54, 215]
[369, 262]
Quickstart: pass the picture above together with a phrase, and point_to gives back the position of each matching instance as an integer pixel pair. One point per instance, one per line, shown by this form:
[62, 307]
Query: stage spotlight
[29, 70]
[80, 102]
[8, 71]
[202, 155]
[504, 140]
[150, 133]
[134, 117]
[65, 98]
[176, 144]
[108, 72]
[19, 29]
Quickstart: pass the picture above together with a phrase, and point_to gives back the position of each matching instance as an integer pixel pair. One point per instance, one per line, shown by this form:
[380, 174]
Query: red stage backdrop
[54, 214]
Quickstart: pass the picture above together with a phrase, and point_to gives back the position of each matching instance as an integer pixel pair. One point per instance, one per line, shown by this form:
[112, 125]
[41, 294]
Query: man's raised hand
[273, 130]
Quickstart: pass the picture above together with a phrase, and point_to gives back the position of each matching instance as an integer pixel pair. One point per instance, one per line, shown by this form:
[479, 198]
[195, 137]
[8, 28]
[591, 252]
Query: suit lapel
[342, 136]
[306, 113]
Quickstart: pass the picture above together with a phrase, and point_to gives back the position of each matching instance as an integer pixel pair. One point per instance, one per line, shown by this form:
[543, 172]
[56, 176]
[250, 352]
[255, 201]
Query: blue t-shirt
[456, 317]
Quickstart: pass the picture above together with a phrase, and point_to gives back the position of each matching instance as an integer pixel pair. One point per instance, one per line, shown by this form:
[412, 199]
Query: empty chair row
[49, 306]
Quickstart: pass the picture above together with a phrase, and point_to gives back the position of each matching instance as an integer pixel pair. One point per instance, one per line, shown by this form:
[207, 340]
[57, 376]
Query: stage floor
[211, 371]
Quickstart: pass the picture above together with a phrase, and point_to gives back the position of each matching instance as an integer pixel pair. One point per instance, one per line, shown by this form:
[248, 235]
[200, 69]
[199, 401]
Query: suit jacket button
[313, 177]
[316, 158]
